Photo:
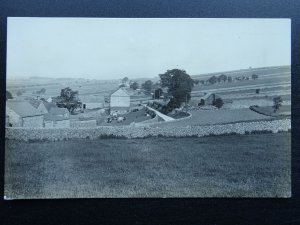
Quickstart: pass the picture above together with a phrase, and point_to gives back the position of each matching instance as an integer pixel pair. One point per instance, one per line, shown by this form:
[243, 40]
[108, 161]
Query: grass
[210, 117]
[258, 166]
[269, 110]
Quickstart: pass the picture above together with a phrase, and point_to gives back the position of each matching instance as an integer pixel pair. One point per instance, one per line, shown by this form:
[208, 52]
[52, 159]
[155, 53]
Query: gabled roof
[205, 97]
[120, 92]
[22, 108]
[35, 103]
[49, 105]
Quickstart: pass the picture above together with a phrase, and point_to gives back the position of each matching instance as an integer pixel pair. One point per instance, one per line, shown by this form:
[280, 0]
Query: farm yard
[259, 166]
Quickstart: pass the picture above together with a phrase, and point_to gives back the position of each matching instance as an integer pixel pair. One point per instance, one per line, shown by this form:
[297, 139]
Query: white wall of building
[13, 118]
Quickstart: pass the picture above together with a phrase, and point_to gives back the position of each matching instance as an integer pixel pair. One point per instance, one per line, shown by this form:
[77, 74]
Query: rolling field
[258, 166]
[270, 77]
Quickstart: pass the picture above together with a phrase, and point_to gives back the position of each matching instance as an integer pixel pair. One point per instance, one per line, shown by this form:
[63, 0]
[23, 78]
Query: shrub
[277, 101]
[218, 103]
[257, 91]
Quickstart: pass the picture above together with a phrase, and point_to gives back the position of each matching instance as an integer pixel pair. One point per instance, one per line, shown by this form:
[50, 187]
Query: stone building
[22, 114]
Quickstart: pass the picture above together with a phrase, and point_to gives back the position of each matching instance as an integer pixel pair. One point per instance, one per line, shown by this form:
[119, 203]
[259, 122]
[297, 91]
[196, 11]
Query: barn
[119, 101]
[22, 114]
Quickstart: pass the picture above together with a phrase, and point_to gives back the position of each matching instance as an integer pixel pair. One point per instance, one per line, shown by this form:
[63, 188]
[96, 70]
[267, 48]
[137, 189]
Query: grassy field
[258, 166]
[210, 117]
[269, 110]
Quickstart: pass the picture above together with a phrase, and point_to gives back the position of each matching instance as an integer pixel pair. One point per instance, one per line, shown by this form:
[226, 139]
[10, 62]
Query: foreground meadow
[256, 165]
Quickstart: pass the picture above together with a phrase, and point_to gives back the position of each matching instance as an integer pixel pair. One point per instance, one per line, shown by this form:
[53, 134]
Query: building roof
[205, 97]
[49, 105]
[58, 111]
[120, 92]
[35, 103]
[22, 108]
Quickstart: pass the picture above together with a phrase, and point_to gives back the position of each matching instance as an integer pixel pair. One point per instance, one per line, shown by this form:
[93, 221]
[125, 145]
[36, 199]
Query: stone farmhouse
[119, 101]
[22, 114]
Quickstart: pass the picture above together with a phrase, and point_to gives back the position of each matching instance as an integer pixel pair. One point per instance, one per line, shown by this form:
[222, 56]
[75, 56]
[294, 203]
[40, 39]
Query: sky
[106, 48]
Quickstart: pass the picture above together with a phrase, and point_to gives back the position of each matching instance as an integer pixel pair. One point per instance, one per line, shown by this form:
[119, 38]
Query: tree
[212, 80]
[147, 86]
[196, 81]
[125, 80]
[68, 99]
[179, 85]
[222, 77]
[157, 93]
[8, 95]
[254, 76]
[277, 103]
[134, 85]
[218, 103]
[229, 79]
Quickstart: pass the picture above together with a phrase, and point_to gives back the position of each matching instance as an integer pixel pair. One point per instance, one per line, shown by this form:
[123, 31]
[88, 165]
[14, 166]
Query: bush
[277, 101]
[218, 103]
[257, 91]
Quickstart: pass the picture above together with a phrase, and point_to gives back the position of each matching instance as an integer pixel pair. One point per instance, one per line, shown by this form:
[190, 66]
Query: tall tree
[254, 76]
[179, 85]
[68, 99]
[213, 80]
[134, 85]
[147, 86]
[125, 80]
[157, 93]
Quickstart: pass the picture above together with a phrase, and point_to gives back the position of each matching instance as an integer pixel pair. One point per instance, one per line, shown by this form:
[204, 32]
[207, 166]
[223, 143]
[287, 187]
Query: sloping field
[258, 166]
[210, 117]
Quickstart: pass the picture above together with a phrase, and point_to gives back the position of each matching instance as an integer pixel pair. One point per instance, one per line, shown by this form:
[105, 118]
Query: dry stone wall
[56, 134]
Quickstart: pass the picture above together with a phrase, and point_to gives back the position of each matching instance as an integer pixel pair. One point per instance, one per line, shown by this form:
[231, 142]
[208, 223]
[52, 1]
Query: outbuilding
[22, 114]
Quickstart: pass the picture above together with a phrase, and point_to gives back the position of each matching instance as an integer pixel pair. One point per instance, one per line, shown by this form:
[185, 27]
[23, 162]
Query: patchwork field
[258, 166]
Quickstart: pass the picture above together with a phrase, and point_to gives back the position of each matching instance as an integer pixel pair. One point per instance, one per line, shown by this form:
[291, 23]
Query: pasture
[210, 117]
[258, 166]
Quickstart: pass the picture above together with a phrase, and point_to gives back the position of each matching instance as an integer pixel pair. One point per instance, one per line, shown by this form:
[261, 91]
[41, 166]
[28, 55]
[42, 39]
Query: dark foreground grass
[257, 165]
